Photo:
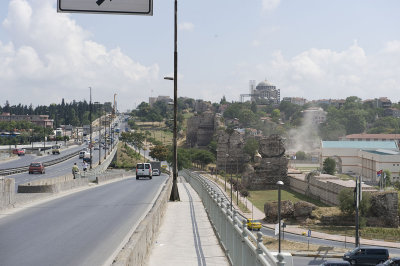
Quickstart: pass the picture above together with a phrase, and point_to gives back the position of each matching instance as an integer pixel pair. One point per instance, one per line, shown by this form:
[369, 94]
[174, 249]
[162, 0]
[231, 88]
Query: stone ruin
[270, 166]
[384, 209]
[200, 129]
[230, 154]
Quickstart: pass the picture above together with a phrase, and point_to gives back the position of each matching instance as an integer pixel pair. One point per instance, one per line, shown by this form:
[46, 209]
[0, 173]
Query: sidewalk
[186, 236]
[295, 229]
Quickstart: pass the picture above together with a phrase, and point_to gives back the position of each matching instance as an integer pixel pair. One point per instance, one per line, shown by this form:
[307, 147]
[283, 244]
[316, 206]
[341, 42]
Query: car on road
[366, 256]
[55, 149]
[253, 224]
[335, 263]
[82, 154]
[391, 262]
[36, 168]
[144, 170]
[156, 172]
[19, 152]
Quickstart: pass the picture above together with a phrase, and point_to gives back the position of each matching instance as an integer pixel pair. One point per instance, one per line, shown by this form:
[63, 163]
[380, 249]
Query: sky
[315, 49]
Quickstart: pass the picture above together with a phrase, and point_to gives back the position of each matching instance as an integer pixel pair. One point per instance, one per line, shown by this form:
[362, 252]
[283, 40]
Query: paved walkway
[186, 236]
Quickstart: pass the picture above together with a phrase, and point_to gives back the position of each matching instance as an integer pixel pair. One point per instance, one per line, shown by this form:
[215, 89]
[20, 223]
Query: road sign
[129, 7]
[309, 233]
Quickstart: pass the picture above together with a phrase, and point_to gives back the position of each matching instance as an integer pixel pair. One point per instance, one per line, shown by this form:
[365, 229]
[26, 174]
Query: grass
[126, 158]
[259, 197]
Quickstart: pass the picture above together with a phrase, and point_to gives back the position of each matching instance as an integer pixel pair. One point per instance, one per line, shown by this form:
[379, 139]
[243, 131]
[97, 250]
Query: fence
[240, 244]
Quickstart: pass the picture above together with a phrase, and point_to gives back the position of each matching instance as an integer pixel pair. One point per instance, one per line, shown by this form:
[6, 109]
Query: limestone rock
[271, 210]
[303, 209]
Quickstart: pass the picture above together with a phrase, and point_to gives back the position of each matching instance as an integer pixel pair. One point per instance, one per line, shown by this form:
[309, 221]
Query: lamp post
[280, 184]
[231, 187]
[97, 104]
[226, 172]
[90, 126]
[174, 192]
[237, 181]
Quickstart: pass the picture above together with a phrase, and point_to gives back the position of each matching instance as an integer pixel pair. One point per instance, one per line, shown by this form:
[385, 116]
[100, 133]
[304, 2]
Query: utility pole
[358, 198]
[90, 120]
[175, 193]
[100, 137]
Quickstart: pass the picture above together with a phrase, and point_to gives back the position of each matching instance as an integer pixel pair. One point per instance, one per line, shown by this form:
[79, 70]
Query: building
[373, 137]
[40, 120]
[165, 99]
[382, 102]
[316, 114]
[263, 93]
[295, 100]
[362, 157]
[392, 112]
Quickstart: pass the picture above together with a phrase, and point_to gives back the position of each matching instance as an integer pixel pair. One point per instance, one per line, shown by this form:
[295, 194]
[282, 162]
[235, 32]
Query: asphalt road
[84, 228]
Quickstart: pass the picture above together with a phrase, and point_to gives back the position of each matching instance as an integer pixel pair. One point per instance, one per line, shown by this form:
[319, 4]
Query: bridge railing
[240, 244]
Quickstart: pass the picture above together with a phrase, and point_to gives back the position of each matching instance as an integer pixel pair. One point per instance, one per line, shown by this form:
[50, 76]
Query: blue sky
[312, 48]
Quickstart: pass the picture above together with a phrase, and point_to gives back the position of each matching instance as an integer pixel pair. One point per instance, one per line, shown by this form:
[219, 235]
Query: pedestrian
[85, 165]
[75, 170]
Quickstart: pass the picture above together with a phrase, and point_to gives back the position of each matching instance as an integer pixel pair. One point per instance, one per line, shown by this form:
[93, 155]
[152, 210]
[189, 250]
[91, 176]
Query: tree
[160, 152]
[329, 166]
[247, 117]
[300, 155]
[202, 157]
[347, 202]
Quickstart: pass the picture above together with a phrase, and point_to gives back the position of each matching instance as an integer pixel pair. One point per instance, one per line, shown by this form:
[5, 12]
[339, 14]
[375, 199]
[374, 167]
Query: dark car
[367, 256]
[391, 262]
[36, 168]
[335, 263]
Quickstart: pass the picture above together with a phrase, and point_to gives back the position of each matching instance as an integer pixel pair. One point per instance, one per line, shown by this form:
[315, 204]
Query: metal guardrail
[240, 244]
[16, 170]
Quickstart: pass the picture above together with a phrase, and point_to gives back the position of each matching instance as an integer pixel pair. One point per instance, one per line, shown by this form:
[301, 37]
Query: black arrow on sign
[99, 2]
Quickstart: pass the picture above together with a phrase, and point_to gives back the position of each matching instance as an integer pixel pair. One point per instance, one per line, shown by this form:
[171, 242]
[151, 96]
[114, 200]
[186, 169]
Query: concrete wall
[136, 251]
[7, 192]
[325, 188]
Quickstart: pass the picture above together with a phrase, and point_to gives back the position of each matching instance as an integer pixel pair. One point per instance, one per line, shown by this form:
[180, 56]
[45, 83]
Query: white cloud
[255, 43]
[51, 57]
[268, 5]
[324, 73]
[187, 26]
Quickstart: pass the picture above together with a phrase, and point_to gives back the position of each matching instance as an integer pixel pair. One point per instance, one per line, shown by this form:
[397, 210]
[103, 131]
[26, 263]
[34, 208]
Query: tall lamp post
[90, 126]
[226, 171]
[280, 184]
[174, 192]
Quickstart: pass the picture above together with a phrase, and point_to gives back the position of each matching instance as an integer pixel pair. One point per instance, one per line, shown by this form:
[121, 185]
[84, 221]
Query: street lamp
[90, 126]
[226, 172]
[280, 184]
[174, 192]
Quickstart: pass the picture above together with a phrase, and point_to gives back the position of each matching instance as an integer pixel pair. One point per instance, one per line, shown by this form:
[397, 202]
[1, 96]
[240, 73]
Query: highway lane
[60, 169]
[84, 228]
[28, 158]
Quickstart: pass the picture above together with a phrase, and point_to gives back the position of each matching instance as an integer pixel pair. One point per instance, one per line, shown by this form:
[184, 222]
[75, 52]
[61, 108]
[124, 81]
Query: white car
[144, 170]
[156, 172]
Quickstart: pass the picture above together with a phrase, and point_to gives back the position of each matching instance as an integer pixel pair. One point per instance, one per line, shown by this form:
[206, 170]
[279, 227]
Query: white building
[363, 157]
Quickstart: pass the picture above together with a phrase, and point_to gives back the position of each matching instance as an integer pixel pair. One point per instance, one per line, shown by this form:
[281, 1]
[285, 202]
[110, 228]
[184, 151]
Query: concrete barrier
[7, 192]
[137, 250]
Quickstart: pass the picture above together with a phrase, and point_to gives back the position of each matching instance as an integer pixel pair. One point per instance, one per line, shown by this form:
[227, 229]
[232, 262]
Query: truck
[156, 165]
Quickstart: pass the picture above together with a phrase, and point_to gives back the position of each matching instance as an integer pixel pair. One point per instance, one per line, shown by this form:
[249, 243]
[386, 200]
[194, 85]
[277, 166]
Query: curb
[317, 255]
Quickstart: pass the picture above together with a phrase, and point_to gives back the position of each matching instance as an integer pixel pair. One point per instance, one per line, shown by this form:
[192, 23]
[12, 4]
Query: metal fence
[240, 244]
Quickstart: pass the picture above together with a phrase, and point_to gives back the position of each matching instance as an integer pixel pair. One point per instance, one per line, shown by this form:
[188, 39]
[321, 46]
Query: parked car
[144, 170]
[253, 225]
[156, 172]
[366, 256]
[36, 168]
[391, 262]
[335, 263]
[19, 152]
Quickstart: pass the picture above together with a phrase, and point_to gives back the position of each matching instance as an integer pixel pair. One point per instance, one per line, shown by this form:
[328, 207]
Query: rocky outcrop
[385, 206]
[271, 210]
[303, 209]
[230, 155]
[200, 129]
[270, 168]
